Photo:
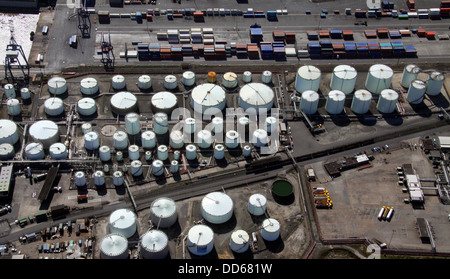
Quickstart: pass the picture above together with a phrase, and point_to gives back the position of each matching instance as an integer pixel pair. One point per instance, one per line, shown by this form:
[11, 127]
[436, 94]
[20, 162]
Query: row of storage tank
[378, 82]
[216, 208]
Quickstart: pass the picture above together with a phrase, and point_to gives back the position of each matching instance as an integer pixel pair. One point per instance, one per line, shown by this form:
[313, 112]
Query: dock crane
[107, 53]
[17, 69]
[84, 22]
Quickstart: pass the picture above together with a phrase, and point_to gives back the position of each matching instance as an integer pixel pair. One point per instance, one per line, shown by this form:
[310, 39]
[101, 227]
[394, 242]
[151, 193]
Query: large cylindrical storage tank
[44, 131]
[188, 78]
[136, 168]
[247, 76]
[25, 94]
[58, 151]
[416, 91]
[57, 85]
[170, 82]
[217, 207]
[163, 152]
[105, 153]
[435, 82]
[164, 102]
[257, 204]
[282, 190]
[266, 77]
[118, 178]
[86, 106]
[8, 131]
[231, 139]
[204, 139]
[246, 150]
[309, 101]
[160, 123]
[163, 212]
[176, 139]
[343, 78]
[307, 78]
[34, 151]
[118, 82]
[7, 151]
[217, 125]
[123, 221]
[80, 179]
[208, 98]
[189, 125]
[120, 140]
[387, 101]
[10, 91]
[260, 138]
[89, 86]
[154, 245]
[133, 152]
[99, 178]
[148, 139]
[200, 240]
[191, 152]
[239, 241]
[114, 246]
[361, 101]
[13, 106]
[133, 123]
[212, 77]
[123, 103]
[174, 167]
[219, 152]
[144, 82]
[157, 167]
[379, 78]
[410, 73]
[270, 229]
[335, 102]
[91, 140]
[54, 106]
[256, 97]
[229, 80]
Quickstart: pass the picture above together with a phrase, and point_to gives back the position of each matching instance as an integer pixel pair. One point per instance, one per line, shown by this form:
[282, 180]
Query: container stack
[290, 37]
[374, 49]
[173, 36]
[395, 34]
[256, 35]
[326, 49]
[347, 35]
[252, 51]
[312, 35]
[350, 50]
[382, 33]
[336, 34]
[362, 49]
[314, 49]
[266, 50]
[370, 34]
[143, 53]
[386, 49]
[279, 50]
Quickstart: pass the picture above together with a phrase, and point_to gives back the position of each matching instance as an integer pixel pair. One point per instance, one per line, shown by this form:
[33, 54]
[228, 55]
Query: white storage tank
[307, 78]
[229, 80]
[191, 152]
[34, 151]
[148, 139]
[86, 128]
[256, 97]
[144, 82]
[99, 178]
[54, 106]
[416, 91]
[136, 168]
[133, 152]
[105, 153]
[257, 204]
[133, 123]
[164, 102]
[239, 241]
[80, 179]
[13, 106]
[335, 102]
[247, 76]
[231, 139]
[410, 73]
[217, 125]
[170, 82]
[217, 207]
[200, 240]
[123, 103]
[25, 94]
[163, 212]
[118, 82]
[271, 124]
[114, 246]
[174, 166]
[123, 221]
[219, 152]
[8, 131]
[157, 167]
[435, 82]
[57, 85]
[361, 101]
[44, 131]
[188, 78]
[154, 245]
[379, 78]
[7, 151]
[208, 98]
[176, 139]
[87, 106]
[160, 123]
[309, 101]
[387, 101]
[58, 151]
[118, 178]
[10, 91]
[246, 150]
[343, 78]
[270, 229]
[89, 86]
[176, 155]
[189, 125]
[120, 140]
[119, 156]
[148, 155]
[260, 138]
[91, 140]
[243, 125]
[266, 77]
[163, 152]
[204, 139]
